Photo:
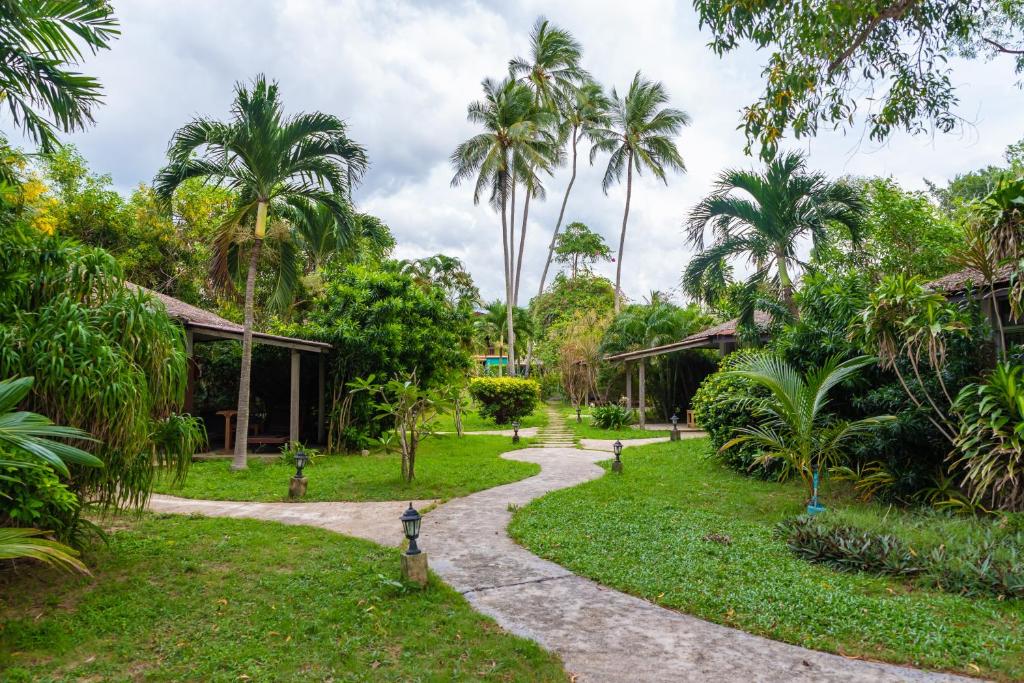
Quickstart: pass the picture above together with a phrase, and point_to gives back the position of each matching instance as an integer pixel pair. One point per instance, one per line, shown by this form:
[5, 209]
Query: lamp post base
[414, 568]
[617, 466]
[674, 435]
[297, 487]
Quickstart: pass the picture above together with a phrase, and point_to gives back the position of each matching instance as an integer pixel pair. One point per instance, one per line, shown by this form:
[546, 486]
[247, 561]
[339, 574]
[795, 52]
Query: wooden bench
[267, 440]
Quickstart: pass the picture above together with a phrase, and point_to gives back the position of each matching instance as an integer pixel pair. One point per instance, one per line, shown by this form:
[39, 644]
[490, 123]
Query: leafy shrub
[32, 495]
[611, 417]
[289, 450]
[504, 399]
[985, 561]
[722, 404]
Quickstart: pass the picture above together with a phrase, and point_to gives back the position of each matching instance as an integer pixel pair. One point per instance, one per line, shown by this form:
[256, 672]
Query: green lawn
[446, 467]
[473, 422]
[199, 599]
[645, 533]
[586, 430]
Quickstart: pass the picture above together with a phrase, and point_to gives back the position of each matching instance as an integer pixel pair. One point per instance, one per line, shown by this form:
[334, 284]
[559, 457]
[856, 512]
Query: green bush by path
[446, 467]
[504, 399]
[687, 533]
[588, 430]
[473, 421]
[178, 598]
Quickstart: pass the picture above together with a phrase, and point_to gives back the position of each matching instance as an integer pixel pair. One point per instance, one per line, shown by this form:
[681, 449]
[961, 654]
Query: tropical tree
[762, 217]
[794, 426]
[639, 137]
[579, 247]
[554, 74]
[39, 39]
[515, 132]
[449, 274]
[266, 159]
[492, 326]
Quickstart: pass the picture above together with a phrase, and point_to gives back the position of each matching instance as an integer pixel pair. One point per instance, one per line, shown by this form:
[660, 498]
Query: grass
[472, 421]
[648, 532]
[446, 467]
[586, 430]
[200, 599]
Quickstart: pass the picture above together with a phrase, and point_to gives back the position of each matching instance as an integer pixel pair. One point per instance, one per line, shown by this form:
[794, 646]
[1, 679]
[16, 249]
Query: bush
[36, 497]
[985, 561]
[611, 417]
[504, 399]
[722, 404]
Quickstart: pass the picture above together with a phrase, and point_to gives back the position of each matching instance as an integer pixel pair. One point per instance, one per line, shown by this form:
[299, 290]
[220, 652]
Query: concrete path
[600, 633]
[374, 521]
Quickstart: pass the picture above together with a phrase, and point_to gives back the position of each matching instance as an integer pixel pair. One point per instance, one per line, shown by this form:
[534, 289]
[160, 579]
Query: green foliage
[990, 441]
[724, 403]
[612, 416]
[825, 55]
[289, 450]
[40, 41]
[989, 562]
[504, 399]
[163, 580]
[105, 358]
[579, 247]
[662, 514]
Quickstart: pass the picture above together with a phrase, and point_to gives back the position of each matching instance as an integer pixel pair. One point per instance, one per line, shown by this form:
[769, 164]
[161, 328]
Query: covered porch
[202, 326]
[723, 337]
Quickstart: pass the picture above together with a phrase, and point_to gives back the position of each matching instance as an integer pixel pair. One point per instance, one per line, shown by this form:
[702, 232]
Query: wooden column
[190, 366]
[629, 386]
[293, 413]
[643, 395]
[321, 419]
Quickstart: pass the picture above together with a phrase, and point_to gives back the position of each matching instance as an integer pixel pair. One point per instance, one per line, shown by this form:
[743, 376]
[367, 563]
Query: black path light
[515, 432]
[675, 428]
[414, 560]
[297, 484]
[617, 448]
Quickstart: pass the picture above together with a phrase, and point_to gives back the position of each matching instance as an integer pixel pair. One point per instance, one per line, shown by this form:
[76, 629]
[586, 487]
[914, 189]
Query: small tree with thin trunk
[579, 247]
[266, 159]
[640, 137]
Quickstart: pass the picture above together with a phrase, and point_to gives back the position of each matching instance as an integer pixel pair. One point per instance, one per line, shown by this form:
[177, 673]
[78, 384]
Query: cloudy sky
[402, 73]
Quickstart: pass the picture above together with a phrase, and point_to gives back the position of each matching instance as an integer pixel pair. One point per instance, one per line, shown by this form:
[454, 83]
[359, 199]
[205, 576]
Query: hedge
[504, 399]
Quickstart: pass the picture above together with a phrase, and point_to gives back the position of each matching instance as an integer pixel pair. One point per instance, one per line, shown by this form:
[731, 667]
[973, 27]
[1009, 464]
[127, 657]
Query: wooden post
[293, 413]
[629, 386]
[321, 419]
[643, 396]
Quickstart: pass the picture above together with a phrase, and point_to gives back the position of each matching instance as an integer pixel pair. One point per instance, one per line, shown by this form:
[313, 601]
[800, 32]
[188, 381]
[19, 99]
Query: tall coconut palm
[38, 41]
[514, 136]
[553, 73]
[492, 326]
[640, 137]
[266, 159]
[762, 218]
[586, 112]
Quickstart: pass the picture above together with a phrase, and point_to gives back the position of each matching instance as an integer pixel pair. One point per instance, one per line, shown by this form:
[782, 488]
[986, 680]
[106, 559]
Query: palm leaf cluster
[38, 40]
[761, 218]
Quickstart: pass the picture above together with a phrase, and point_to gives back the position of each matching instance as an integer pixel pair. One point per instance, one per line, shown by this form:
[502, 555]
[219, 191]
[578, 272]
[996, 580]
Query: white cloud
[402, 74]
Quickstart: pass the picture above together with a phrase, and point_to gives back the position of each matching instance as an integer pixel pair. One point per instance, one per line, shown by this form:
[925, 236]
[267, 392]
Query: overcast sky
[402, 73]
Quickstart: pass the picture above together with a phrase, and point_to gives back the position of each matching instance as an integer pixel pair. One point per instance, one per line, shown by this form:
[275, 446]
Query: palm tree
[795, 427]
[762, 216]
[37, 42]
[553, 73]
[32, 435]
[586, 112]
[493, 325]
[640, 136]
[513, 138]
[448, 274]
[266, 159]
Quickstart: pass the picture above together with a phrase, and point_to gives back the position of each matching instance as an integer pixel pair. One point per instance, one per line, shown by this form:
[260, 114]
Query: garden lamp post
[297, 484]
[674, 436]
[617, 449]
[515, 432]
[414, 560]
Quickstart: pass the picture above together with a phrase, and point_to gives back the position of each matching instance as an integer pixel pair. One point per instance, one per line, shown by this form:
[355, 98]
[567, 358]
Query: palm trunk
[240, 459]
[522, 245]
[561, 216]
[786, 283]
[622, 236]
[509, 293]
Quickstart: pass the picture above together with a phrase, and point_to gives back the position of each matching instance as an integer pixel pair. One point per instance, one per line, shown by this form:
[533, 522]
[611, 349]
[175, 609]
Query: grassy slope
[446, 467]
[473, 422]
[188, 598]
[644, 534]
[585, 430]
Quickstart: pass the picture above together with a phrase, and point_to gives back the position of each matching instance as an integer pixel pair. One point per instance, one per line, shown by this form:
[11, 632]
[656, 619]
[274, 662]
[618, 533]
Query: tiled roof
[707, 338]
[960, 280]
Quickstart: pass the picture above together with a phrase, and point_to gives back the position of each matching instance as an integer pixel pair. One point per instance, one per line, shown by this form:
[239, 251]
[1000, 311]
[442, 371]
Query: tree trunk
[240, 461]
[785, 282]
[522, 245]
[622, 236]
[509, 293]
[561, 215]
